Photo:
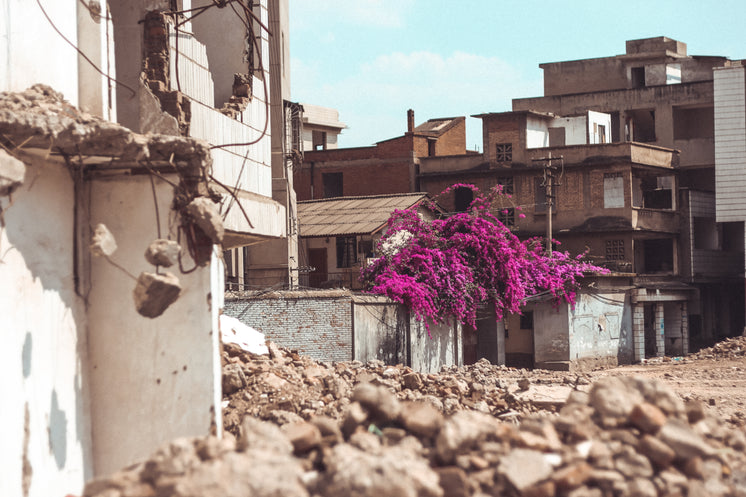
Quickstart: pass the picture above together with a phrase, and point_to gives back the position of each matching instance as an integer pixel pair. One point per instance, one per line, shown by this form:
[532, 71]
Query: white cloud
[373, 100]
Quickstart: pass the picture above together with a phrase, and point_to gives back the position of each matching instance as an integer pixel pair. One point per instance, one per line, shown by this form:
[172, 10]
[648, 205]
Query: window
[613, 190]
[431, 148]
[507, 184]
[601, 133]
[638, 77]
[556, 137]
[507, 216]
[615, 250]
[540, 195]
[463, 198]
[332, 184]
[504, 152]
[346, 251]
[318, 140]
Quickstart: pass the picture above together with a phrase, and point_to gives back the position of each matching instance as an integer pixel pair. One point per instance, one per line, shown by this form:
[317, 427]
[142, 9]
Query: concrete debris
[204, 212]
[103, 243]
[155, 292]
[353, 429]
[163, 253]
[40, 117]
[235, 332]
[12, 173]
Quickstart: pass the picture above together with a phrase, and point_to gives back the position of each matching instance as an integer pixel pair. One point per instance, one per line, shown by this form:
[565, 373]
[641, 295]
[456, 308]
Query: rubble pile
[285, 387]
[380, 433]
[728, 348]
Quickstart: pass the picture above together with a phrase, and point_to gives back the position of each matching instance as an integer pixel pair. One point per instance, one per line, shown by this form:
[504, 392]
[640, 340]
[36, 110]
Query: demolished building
[164, 135]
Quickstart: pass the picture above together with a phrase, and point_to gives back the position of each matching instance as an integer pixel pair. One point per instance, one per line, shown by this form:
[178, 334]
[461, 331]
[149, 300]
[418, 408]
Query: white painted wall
[44, 358]
[575, 129]
[25, 41]
[152, 379]
[599, 326]
[730, 143]
[596, 134]
[537, 132]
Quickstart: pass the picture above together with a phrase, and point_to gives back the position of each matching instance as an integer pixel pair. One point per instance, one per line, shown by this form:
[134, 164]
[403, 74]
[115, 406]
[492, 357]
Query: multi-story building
[657, 94]
[168, 102]
[390, 166]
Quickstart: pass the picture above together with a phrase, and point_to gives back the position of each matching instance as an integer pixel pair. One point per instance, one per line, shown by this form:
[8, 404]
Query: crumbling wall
[44, 420]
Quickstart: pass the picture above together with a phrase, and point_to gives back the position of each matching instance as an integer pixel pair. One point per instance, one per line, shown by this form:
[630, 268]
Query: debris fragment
[103, 243]
[155, 292]
[205, 215]
[163, 253]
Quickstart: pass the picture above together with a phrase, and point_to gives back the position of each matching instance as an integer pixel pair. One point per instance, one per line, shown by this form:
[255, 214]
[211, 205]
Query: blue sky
[374, 59]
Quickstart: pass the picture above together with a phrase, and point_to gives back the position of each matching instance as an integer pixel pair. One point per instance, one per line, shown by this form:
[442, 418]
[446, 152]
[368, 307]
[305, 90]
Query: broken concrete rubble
[103, 243]
[368, 444]
[163, 253]
[206, 216]
[155, 292]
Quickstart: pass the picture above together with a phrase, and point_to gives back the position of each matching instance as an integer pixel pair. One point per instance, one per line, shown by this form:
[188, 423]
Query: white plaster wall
[575, 129]
[43, 359]
[441, 348]
[96, 40]
[25, 41]
[598, 327]
[152, 379]
[537, 132]
[596, 119]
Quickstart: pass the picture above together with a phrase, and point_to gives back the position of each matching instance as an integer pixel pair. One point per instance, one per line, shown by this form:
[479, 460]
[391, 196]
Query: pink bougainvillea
[448, 267]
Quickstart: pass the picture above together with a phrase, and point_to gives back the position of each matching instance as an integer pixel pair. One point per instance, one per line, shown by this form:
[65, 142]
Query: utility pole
[550, 165]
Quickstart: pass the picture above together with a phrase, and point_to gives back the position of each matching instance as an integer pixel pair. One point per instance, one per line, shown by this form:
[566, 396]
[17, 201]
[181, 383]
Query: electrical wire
[80, 52]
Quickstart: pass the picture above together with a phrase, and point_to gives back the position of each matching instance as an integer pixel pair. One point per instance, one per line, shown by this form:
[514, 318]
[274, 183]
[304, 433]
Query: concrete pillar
[660, 331]
[638, 331]
[684, 328]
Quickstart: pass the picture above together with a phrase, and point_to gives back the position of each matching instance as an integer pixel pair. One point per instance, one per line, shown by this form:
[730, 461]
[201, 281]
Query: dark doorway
[317, 260]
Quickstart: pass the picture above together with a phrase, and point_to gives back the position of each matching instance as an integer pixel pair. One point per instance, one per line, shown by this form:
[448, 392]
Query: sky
[374, 59]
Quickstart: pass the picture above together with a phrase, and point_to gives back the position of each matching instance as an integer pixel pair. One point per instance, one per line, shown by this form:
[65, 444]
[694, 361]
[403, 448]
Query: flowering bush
[448, 267]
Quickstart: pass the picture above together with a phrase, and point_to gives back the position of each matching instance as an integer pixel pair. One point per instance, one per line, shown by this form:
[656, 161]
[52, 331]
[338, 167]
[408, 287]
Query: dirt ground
[715, 376]
[718, 382]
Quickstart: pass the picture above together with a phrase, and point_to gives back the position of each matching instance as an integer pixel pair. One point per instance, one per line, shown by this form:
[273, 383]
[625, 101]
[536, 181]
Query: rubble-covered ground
[296, 427]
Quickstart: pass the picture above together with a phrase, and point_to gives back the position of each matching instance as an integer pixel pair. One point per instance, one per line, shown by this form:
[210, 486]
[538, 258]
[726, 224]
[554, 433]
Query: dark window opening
[732, 234]
[527, 320]
[540, 195]
[346, 251]
[657, 192]
[431, 148]
[615, 130]
[693, 123]
[332, 184]
[504, 152]
[463, 198]
[318, 140]
[658, 255]
[638, 77]
[642, 124]
[615, 250]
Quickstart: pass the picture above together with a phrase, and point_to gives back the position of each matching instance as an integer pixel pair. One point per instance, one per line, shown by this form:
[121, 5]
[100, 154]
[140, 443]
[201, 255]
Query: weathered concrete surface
[12, 173]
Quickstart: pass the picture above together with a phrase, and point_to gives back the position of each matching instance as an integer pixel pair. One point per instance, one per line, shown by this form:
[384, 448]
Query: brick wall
[319, 327]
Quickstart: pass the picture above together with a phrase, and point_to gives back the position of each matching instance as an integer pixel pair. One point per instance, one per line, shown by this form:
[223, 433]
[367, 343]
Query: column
[638, 331]
[660, 331]
[684, 328]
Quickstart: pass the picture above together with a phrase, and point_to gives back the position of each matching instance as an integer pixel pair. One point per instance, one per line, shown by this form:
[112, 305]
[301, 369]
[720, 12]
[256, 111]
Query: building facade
[167, 107]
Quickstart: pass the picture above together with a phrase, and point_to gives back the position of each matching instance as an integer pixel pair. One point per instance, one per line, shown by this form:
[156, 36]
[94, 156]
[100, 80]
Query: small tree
[448, 267]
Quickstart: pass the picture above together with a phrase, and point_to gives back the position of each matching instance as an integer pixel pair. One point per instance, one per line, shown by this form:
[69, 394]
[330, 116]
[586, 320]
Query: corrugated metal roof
[351, 215]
